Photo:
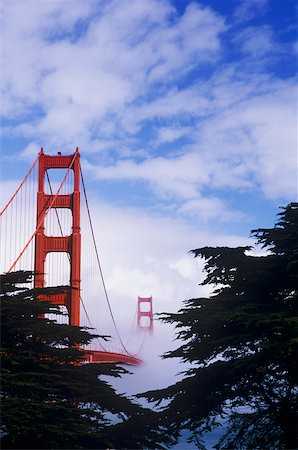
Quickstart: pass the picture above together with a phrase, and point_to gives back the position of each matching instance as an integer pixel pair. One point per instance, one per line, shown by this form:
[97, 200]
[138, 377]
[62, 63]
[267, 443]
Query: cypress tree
[242, 344]
[50, 397]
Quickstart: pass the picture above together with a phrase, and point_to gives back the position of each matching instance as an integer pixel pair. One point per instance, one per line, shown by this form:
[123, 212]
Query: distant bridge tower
[147, 313]
[69, 244]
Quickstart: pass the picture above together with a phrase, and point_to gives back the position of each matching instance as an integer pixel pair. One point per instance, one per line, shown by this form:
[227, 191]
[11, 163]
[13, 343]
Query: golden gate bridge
[47, 229]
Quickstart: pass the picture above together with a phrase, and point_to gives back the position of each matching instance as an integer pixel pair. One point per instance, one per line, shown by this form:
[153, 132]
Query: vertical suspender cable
[100, 269]
[21, 185]
[61, 231]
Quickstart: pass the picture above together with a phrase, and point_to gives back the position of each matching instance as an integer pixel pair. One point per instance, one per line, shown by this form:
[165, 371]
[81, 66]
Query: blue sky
[185, 116]
[179, 108]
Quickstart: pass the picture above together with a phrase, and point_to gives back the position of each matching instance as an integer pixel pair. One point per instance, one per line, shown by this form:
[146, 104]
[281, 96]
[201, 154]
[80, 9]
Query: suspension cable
[100, 269]
[21, 185]
[46, 212]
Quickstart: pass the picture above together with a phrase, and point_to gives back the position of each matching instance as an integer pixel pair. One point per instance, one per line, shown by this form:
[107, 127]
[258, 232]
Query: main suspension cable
[43, 218]
[100, 269]
[69, 259]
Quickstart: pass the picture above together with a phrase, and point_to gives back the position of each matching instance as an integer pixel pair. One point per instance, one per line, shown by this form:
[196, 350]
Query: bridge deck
[97, 356]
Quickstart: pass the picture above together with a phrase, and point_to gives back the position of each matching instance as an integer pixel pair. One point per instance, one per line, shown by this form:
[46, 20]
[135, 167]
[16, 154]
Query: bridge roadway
[97, 356]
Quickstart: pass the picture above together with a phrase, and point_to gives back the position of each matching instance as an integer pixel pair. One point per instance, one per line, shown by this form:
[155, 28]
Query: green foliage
[242, 345]
[50, 399]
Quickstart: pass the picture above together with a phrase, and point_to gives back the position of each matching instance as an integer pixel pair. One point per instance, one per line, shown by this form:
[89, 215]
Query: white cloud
[143, 255]
[255, 143]
[140, 255]
[171, 134]
[25, 28]
[187, 267]
[178, 176]
[98, 90]
[29, 153]
[250, 144]
[186, 103]
[249, 9]
[146, 255]
[108, 76]
[210, 209]
[77, 84]
[257, 42]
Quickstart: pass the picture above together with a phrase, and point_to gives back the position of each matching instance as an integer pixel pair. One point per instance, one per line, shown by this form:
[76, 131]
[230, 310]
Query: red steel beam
[97, 356]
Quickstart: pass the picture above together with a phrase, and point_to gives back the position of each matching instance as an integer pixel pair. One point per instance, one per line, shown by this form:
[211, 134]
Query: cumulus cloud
[253, 147]
[255, 143]
[122, 52]
[109, 72]
[178, 176]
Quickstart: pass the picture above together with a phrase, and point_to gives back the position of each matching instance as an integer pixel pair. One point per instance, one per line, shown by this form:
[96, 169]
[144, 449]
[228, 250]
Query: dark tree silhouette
[50, 399]
[242, 345]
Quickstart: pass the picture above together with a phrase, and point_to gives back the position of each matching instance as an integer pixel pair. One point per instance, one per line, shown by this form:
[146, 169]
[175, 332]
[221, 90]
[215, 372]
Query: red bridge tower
[148, 314]
[69, 244]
